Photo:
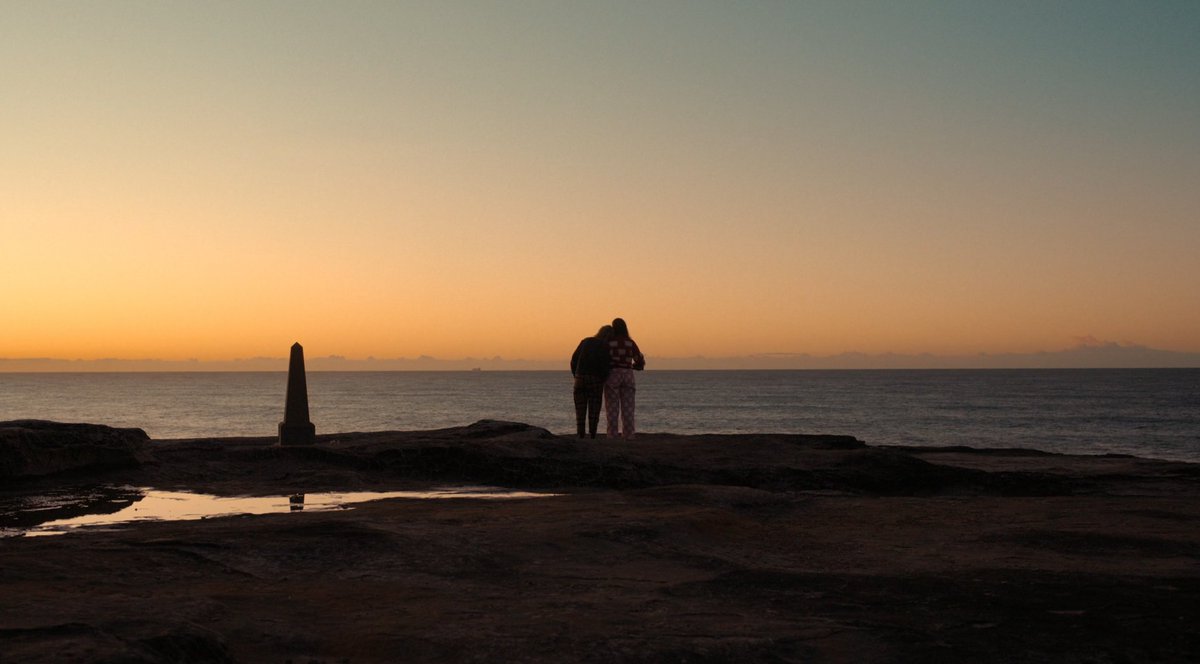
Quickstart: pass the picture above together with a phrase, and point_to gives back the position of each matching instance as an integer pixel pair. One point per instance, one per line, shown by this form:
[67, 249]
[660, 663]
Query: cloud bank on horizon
[1090, 353]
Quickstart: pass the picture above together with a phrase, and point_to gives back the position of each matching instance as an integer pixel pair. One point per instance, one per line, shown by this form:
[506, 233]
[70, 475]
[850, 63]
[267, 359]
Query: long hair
[620, 329]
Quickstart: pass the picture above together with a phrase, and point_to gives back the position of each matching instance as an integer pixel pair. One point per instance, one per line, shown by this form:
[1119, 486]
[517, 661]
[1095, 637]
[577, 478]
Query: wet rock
[25, 511]
[31, 448]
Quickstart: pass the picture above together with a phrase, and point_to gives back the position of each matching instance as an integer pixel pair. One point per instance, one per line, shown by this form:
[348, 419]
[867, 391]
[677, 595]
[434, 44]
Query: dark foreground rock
[31, 448]
[668, 549]
[518, 455]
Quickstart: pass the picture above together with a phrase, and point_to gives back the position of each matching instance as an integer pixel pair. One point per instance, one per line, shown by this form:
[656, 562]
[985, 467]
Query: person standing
[619, 390]
[590, 367]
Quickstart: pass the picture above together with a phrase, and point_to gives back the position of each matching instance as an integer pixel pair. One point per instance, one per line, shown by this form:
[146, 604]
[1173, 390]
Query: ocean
[1145, 412]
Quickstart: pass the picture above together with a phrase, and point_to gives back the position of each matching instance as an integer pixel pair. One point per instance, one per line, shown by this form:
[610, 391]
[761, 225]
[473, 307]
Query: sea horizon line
[1104, 356]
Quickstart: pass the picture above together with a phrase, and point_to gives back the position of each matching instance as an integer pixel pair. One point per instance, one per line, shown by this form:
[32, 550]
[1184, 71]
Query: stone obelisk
[295, 429]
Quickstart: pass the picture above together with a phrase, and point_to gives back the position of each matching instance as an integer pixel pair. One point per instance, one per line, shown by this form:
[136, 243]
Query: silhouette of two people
[604, 366]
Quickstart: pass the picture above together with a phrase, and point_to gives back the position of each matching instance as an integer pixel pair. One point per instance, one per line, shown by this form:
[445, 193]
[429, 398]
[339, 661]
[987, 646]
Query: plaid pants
[619, 393]
[588, 392]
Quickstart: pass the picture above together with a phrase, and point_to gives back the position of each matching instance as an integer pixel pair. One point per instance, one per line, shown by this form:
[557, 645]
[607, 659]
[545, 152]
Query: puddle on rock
[68, 511]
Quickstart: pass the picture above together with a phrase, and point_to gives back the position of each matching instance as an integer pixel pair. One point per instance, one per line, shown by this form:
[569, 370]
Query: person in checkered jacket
[619, 390]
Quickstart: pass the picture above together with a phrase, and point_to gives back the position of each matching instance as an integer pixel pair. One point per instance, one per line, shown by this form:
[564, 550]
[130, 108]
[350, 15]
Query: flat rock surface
[667, 549]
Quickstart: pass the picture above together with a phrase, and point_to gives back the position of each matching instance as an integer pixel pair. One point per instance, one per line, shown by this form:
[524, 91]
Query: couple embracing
[603, 366]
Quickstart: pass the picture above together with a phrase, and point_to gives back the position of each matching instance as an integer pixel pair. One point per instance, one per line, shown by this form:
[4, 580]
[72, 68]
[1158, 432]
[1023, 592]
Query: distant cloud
[1090, 341]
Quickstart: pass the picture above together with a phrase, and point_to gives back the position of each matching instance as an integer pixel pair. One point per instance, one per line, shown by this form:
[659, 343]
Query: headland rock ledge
[699, 548]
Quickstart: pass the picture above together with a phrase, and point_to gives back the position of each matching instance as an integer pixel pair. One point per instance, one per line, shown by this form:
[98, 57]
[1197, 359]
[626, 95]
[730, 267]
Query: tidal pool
[98, 507]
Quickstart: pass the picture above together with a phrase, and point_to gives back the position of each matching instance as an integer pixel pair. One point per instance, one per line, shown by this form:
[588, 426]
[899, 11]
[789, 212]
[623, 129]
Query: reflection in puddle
[108, 506]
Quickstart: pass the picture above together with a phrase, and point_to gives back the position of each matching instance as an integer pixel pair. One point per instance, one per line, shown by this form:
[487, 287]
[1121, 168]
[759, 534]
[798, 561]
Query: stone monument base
[304, 433]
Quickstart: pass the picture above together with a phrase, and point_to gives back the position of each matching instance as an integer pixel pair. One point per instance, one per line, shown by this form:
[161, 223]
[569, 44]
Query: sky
[216, 180]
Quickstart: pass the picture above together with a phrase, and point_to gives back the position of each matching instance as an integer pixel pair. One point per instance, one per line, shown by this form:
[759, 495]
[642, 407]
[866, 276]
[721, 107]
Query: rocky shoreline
[670, 548]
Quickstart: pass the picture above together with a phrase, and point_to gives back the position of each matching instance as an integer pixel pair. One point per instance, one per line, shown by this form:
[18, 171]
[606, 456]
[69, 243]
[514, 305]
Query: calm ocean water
[1146, 412]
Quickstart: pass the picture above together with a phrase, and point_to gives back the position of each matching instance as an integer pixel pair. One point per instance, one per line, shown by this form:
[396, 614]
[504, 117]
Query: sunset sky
[216, 180]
